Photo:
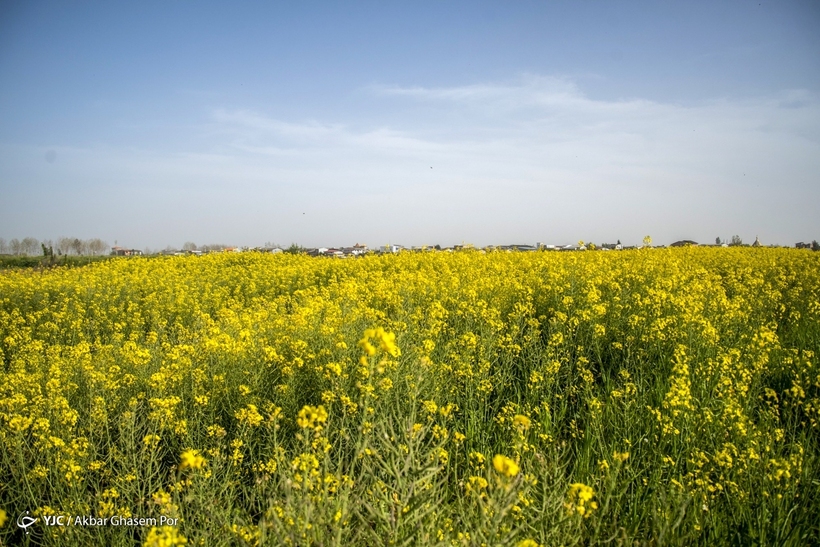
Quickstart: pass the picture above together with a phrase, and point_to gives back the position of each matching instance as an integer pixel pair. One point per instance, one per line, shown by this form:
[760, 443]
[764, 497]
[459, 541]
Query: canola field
[649, 397]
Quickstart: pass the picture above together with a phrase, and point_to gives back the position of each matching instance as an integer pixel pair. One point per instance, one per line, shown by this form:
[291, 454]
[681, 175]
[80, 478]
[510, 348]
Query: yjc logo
[24, 521]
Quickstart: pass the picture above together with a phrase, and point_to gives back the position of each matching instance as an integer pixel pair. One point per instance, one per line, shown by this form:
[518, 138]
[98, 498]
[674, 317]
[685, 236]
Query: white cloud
[532, 159]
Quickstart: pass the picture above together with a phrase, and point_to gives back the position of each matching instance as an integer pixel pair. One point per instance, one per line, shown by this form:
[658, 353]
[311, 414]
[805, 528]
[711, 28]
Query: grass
[39, 262]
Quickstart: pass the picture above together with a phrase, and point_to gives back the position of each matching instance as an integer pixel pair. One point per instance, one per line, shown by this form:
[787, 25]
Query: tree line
[30, 246]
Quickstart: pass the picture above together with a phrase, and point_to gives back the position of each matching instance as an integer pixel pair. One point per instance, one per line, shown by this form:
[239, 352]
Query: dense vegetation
[50, 261]
[659, 396]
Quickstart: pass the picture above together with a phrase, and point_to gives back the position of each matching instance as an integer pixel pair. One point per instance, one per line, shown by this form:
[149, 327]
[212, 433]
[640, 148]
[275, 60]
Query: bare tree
[97, 246]
[64, 245]
[4, 247]
[189, 246]
[15, 246]
[736, 240]
[30, 246]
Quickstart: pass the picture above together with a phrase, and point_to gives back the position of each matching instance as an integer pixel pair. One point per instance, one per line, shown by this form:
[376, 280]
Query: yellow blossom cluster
[296, 398]
[579, 500]
[191, 459]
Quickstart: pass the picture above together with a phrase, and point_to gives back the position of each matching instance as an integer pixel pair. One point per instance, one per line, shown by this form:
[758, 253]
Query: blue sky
[152, 124]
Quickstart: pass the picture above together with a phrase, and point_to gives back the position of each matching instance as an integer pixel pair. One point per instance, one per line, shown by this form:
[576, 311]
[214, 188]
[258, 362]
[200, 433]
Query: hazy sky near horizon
[156, 123]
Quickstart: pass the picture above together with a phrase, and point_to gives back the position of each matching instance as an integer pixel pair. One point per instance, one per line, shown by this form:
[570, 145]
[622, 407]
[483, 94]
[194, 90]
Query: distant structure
[524, 248]
[684, 243]
[757, 242]
[358, 249]
[120, 251]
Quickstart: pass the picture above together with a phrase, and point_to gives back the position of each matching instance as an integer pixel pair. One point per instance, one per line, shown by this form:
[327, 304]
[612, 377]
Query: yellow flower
[522, 423]
[527, 543]
[476, 484]
[368, 348]
[505, 466]
[151, 441]
[386, 341]
[430, 406]
[3, 517]
[620, 456]
[579, 500]
[191, 459]
[166, 536]
[249, 415]
[310, 417]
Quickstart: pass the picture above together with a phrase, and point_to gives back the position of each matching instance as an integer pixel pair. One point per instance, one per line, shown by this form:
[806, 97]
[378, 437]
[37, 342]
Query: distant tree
[77, 246]
[15, 247]
[647, 241]
[64, 245]
[815, 246]
[189, 246]
[81, 246]
[97, 246]
[717, 241]
[438, 247]
[736, 241]
[295, 249]
[4, 247]
[619, 242]
[30, 246]
[48, 251]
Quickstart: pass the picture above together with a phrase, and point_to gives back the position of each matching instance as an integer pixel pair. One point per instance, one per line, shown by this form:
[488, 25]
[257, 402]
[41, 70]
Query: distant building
[684, 243]
[357, 250]
[121, 251]
[524, 247]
